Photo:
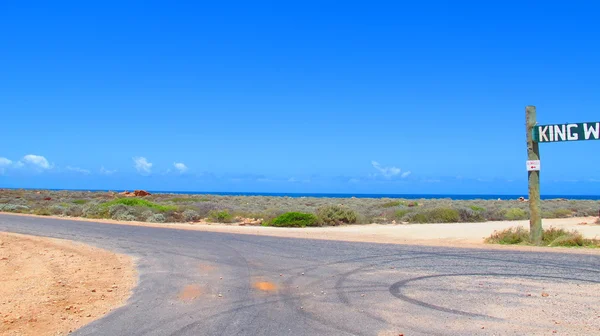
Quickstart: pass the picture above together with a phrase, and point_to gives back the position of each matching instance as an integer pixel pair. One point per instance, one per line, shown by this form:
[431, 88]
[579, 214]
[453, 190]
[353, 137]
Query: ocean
[344, 195]
[404, 196]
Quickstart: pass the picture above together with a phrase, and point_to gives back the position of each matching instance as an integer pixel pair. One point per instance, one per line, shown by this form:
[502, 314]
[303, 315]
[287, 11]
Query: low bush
[436, 215]
[123, 212]
[95, 211]
[74, 211]
[293, 219]
[139, 203]
[550, 237]
[572, 239]
[205, 208]
[468, 215]
[13, 207]
[477, 208]
[561, 213]
[514, 235]
[516, 214]
[156, 218]
[551, 234]
[222, 216]
[190, 215]
[80, 201]
[42, 212]
[400, 213]
[336, 215]
[392, 204]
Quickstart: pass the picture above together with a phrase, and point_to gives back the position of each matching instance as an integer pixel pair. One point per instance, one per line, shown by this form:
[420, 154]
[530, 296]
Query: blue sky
[312, 96]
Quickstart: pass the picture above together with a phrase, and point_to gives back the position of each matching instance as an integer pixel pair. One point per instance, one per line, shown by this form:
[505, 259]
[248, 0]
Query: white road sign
[533, 165]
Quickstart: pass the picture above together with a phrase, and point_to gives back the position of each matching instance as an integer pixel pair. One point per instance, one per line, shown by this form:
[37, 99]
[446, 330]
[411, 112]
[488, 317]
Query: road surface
[206, 283]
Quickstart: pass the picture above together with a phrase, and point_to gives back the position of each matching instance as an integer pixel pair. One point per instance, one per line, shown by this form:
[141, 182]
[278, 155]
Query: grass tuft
[551, 237]
[139, 203]
[514, 235]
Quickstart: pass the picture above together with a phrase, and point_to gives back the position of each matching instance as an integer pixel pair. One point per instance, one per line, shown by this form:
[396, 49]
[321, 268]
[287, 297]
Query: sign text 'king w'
[567, 132]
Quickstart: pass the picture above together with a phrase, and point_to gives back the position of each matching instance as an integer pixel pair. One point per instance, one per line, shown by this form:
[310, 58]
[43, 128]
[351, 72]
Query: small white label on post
[533, 165]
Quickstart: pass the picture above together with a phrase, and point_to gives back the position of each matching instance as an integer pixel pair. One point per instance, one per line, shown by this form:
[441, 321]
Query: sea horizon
[342, 195]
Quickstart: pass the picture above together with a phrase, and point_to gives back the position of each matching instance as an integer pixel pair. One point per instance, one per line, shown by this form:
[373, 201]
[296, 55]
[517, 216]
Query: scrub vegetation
[551, 237]
[266, 209]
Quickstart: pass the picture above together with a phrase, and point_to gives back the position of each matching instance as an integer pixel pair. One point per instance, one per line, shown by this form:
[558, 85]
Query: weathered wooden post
[533, 153]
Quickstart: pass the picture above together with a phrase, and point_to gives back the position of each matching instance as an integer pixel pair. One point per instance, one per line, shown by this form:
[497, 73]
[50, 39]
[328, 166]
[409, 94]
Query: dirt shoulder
[470, 235]
[52, 286]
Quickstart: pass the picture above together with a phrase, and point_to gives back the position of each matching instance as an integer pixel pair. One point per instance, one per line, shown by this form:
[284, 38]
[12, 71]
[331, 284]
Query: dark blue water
[404, 196]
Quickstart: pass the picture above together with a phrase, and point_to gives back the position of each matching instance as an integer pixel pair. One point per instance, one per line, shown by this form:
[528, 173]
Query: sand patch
[52, 287]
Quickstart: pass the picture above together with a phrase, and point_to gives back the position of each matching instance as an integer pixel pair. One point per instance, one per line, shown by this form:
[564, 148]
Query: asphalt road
[257, 285]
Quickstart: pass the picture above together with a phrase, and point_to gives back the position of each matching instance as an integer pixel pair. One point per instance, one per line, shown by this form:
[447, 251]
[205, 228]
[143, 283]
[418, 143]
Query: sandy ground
[52, 286]
[470, 235]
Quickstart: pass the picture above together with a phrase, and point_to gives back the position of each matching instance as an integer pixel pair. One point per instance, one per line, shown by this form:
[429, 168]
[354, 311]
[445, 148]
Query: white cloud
[37, 160]
[142, 165]
[78, 170]
[180, 166]
[106, 171]
[386, 171]
[4, 162]
[405, 174]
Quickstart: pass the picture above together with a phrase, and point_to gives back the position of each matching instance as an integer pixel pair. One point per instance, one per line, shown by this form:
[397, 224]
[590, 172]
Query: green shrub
[222, 216]
[512, 235]
[336, 215]
[294, 219]
[561, 213]
[139, 203]
[400, 213]
[516, 214]
[476, 208]
[392, 204]
[80, 201]
[437, 215]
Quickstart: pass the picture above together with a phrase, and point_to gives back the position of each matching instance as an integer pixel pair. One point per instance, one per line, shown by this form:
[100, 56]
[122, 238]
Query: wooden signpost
[541, 134]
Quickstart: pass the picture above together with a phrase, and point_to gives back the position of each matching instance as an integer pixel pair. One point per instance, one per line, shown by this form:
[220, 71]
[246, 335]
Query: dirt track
[52, 286]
